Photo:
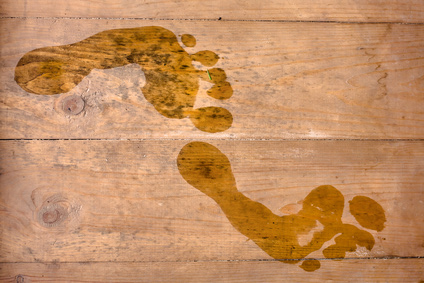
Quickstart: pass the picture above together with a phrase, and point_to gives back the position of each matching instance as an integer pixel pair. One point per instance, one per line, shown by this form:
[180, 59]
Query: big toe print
[207, 169]
[172, 82]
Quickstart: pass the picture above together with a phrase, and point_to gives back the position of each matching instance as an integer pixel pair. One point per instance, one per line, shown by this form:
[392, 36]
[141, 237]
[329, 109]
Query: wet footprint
[207, 169]
[172, 82]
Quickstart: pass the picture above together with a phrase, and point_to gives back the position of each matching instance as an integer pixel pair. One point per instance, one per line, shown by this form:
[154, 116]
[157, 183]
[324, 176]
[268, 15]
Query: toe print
[206, 58]
[221, 88]
[172, 82]
[368, 213]
[188, 40]
[207, 169]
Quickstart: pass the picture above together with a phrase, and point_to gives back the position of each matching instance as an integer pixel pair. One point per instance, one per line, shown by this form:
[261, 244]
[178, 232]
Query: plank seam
[229, 260]
[215, 139]
[214, 20]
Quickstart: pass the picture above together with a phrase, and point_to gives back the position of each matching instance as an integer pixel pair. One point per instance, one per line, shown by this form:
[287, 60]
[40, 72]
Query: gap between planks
[229, 260]
[215, 139]
[213, 20]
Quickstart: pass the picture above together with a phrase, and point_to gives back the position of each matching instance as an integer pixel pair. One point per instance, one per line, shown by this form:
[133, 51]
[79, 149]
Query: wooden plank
[74, 201]
[373, 270]
[405, 11]
[289, 81]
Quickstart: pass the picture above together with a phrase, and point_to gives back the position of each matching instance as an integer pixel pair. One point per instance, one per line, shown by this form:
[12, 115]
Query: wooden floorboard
[405, 11]
[289, 81]
[372, 270]
[211, 141]
[127, 201]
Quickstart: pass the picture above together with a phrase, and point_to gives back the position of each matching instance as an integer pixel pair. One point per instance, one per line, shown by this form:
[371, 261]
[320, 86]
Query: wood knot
[21, 279]
[73, 105]
[54, 211]
[52, 214]
[57, 212]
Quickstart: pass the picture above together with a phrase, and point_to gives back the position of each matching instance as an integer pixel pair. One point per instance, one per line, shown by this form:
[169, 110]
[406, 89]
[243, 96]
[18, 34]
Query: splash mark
[207, 169]
[172, 82]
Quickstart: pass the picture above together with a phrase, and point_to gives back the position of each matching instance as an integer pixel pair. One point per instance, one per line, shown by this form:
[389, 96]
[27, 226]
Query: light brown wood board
[405, 11]
[392, 270]
[325, 93]
[126, 201]
[290, 81]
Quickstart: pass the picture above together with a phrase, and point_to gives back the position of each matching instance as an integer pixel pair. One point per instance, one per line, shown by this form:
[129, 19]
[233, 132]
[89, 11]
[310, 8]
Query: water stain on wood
[188, 40]
[172, 82]
[207, 169]
[367, 212]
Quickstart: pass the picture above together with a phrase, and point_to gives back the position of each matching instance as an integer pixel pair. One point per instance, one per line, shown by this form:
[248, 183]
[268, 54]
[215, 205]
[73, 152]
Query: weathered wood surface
[374, 270]
[405, 11]
[290, 80]
[115, 209]
[126, 201]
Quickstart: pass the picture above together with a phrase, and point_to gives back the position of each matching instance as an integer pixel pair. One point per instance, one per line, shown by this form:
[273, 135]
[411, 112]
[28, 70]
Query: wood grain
[126, 201]
[405, 11]
[373, 270]
[325, 93]
[290, 81]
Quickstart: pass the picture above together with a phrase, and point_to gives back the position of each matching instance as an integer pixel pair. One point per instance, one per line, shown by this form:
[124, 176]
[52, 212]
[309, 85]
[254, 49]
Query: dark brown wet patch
[367, 212]
[188, 40]
[310, 265]
[172, 82]
[211, 119]
[206, 57]
[207, 169]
